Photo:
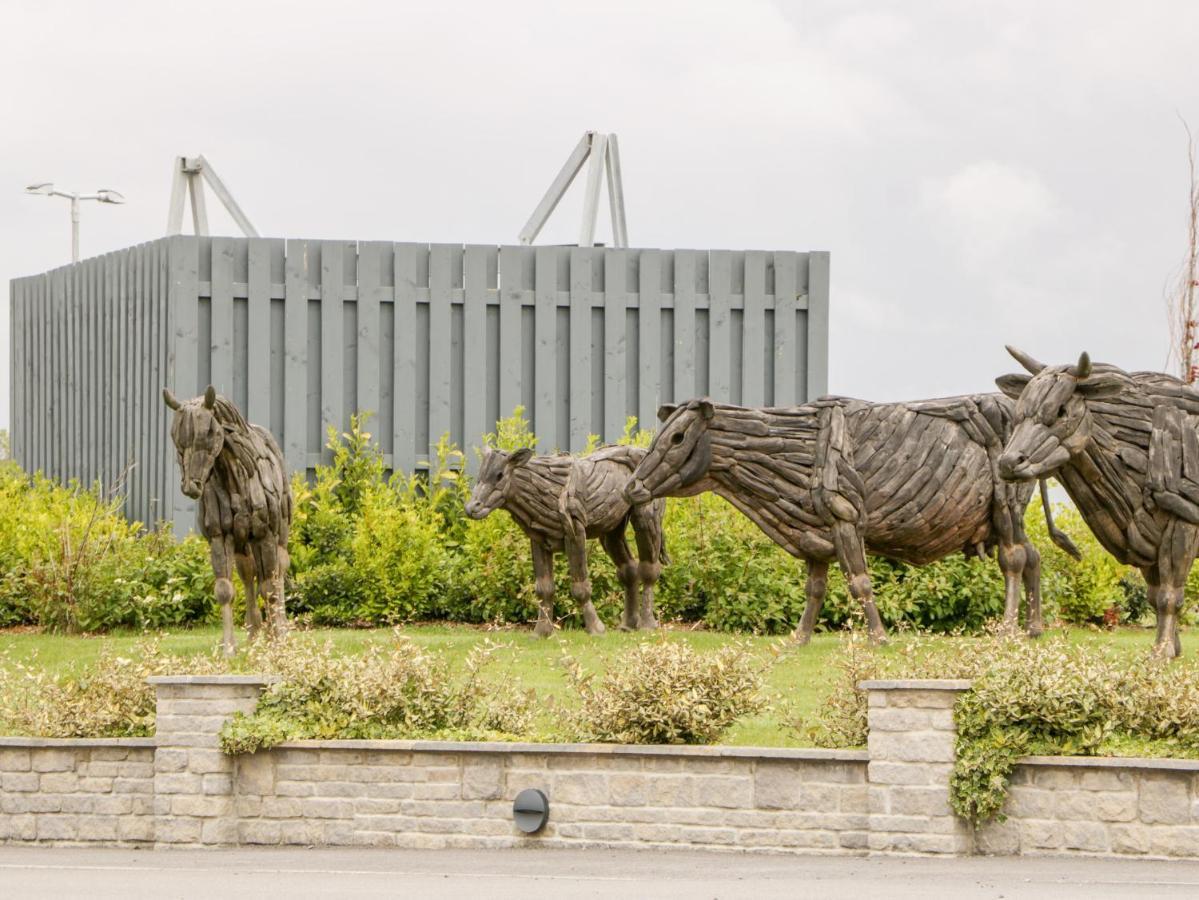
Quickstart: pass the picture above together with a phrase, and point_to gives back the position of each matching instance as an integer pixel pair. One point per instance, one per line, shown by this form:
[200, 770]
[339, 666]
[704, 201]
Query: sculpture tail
[1060, 538]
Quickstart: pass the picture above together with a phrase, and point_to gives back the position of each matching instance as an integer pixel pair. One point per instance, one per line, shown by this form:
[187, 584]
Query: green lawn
[798, 682]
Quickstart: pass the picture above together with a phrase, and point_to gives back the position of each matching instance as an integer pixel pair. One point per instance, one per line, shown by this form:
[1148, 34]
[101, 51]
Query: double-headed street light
[103, 195]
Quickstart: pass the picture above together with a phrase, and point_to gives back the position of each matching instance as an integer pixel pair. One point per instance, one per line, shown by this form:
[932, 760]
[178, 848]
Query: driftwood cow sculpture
[236, 471]
[560, 502]
[834, 479]
[1124, 445]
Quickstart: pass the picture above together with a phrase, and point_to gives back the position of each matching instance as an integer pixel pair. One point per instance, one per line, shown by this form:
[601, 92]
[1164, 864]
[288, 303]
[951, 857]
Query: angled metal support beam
[226, 198]
[179, 186]
[186, 179]
[557, 189]
[595, 176]
[620, 232]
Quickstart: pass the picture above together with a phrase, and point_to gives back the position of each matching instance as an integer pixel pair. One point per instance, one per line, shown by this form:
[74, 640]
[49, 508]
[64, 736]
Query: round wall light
[530, 810]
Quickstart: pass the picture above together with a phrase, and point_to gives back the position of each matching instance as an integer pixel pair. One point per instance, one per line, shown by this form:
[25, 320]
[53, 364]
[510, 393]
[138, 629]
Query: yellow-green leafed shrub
[399, 554]
[1081, 591]
[400, 691]
[108, 698]
[71, 562]
[665, 692]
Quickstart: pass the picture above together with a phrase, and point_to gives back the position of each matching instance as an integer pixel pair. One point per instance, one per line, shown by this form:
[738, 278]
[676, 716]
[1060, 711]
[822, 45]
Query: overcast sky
[983, 173]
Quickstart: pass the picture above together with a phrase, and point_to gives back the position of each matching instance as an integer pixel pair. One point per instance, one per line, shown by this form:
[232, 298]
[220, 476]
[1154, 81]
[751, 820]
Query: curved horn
[169, 399]
[1025, 360]
[210, 397]
[1083, 369]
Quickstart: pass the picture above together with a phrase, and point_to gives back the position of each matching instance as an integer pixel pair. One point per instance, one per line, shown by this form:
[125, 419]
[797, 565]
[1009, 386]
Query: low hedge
[368, 549]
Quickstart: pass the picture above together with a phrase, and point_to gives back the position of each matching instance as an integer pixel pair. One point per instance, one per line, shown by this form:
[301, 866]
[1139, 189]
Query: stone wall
[69, 791]
[424, 794]
[1095, 806]
[178, 789]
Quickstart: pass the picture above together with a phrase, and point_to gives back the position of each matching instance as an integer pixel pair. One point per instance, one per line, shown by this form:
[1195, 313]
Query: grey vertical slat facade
[430, 339]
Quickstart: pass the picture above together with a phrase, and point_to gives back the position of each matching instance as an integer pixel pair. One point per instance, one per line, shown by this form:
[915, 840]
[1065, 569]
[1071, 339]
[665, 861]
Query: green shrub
[665, 692]
[109, 698]
[1079, 592]
[71, 562]
[399, 553]
[1052, 698]
[395, 692]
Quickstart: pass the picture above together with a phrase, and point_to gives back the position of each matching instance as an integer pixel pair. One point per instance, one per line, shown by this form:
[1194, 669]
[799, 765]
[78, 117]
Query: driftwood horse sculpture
[837, 478]
[236, 471]
[560, 502]
[1125, 448]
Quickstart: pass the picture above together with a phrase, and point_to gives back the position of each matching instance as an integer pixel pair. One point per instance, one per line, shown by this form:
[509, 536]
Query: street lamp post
[104, 195]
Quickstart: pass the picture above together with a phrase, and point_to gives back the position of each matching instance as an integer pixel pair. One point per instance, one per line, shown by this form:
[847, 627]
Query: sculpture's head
[198, 438]
[494, 480]
[1052, 421]
[678, 458]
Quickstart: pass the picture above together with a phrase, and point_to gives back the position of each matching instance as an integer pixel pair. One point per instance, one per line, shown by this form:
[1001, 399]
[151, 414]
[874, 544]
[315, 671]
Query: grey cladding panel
[430, 338]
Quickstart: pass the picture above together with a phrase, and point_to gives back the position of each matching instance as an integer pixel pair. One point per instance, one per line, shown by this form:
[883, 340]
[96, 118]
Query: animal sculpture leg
[543, 572]
[647, 530]
[1012, 558]
[617, 548]
[245, 568]
[816, 588]
[220, 551]
[851, 554]
[1175, 555]
[1032, 589]
[277, 601]
[580, 583]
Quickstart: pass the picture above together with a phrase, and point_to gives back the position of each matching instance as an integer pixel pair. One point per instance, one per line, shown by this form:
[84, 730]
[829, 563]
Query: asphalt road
[296, 873]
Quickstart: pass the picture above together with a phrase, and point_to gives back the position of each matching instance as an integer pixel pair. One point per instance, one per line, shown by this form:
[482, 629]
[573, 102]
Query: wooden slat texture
[258, 361]
[16, 369]
[719, 325]
[784, 356]
[684, 325]
[332, 288]
[753, 352]
[817, 350]
[222, 315]
[184, 260]
[545, 353]
[295, 378]
[441, 262]
[474, 347]
[581, 260]
[512, 262]
[649, 330]
[404, 385]
[371, 255]
[578, 332]
[616, 268]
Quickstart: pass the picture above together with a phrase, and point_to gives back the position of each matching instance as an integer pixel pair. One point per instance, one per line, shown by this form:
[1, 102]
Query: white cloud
[985, 207]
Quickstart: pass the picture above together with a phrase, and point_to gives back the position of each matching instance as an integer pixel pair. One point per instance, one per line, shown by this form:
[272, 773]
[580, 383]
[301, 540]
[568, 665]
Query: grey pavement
[296, 873]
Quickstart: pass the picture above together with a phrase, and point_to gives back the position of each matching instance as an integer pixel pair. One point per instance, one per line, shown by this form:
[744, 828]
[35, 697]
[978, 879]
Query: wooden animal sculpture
[560, 502]
[237, 473]
[837, 478]
[1125, 448]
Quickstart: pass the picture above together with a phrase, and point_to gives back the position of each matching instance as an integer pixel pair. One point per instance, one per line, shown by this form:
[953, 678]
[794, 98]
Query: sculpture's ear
[520, 457]
[706, 409]
[1101, 386]
[1013, 385]
[666, 410]
[169, 399]
[210, 397]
